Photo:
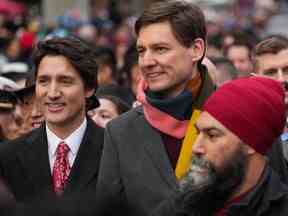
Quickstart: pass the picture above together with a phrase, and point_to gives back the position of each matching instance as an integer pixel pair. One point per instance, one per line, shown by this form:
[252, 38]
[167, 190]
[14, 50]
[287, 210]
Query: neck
[255, 167]
[63, 131]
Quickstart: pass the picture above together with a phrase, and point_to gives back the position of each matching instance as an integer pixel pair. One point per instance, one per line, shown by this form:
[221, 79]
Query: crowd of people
[175, 114]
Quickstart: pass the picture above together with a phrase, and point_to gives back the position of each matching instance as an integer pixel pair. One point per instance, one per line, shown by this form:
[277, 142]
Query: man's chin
[196, 179]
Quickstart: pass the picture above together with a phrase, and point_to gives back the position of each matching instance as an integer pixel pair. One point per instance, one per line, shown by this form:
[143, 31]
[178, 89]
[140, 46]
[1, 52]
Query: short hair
[77, 52]
[240, 39]
[130, 60]
[227, 64]
[121, 106]
[186, 19]
[272, 44]
[105, 56]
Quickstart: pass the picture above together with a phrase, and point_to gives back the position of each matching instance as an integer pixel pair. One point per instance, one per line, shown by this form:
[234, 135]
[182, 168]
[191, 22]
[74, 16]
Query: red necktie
[61, 168]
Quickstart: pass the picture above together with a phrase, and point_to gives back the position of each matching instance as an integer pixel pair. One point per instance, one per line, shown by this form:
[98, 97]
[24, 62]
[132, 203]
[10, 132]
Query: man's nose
[198, 147]
[280, 76]
[53, 90]
[147, 59]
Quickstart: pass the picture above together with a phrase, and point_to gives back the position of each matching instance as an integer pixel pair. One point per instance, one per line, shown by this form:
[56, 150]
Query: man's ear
[197, 49]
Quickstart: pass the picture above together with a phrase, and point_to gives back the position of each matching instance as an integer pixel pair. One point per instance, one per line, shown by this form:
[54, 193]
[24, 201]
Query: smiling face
[32, 113]
[61, 93]
[166, 65]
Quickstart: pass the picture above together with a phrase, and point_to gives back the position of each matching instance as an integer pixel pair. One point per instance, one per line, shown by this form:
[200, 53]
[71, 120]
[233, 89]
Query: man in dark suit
[147, 150]
[62, 156]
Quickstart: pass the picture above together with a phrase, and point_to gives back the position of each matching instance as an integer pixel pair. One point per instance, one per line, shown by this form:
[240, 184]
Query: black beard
[205, 199]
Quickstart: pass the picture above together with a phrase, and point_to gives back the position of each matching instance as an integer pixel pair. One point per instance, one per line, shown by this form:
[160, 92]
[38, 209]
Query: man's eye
[212, 136]
[105, 116]
[285, 70]
[42, 81]
[161, 49]
[270, 72]
[140, 52]
[67, 81]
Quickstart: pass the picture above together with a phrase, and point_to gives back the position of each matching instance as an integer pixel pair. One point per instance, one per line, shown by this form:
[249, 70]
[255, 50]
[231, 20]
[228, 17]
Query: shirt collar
[73, 140]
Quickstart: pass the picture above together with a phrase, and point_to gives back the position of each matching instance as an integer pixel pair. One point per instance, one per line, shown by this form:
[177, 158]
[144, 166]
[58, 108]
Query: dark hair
[106, 56]
[186, 19]
[120, 105]
[227, 64]
[8, 100]
[29, 88]
[78, 53]
[272, 44]
[241, 39]
[130, 60]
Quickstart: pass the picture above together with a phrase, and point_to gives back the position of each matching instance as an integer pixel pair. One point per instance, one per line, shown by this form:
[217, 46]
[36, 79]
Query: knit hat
[252, 108]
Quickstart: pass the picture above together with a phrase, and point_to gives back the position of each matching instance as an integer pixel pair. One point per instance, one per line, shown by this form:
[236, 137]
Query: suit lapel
[156, 151]
[35, 161]
[87, 161]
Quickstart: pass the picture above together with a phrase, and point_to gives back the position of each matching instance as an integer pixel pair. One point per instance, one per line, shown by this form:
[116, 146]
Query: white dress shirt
[73, 141]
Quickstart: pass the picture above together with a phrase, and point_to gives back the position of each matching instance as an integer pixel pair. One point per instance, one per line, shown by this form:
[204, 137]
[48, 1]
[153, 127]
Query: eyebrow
[155, 44]
[207, 129]
[62, 76]
[270, 70]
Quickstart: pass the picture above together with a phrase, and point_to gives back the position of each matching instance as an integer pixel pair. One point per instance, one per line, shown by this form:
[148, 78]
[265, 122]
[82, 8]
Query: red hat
[252, 108]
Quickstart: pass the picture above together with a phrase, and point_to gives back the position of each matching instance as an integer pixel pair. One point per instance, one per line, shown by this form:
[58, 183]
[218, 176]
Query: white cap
[8, 85]
[17, 67]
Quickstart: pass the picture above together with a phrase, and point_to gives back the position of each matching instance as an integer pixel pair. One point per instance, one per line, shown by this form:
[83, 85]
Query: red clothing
[173, 148]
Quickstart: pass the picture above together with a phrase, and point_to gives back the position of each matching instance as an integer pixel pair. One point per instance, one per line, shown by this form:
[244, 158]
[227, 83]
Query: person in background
[107, 72]
[271, 60]
[113, 101]
[11, 118]
[240, 54]
[32, 114]
[10, 122]
[130, 72]
[16, 71]
[110, 108]
[225, 70]
[11, 51]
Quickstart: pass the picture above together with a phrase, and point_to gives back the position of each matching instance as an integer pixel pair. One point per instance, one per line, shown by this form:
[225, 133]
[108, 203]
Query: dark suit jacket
[135, 164]
[24, 164]
[277, 160]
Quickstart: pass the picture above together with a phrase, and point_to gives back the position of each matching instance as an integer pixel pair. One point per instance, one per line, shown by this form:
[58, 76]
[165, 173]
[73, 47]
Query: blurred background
[110, 22]
[107, 25]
